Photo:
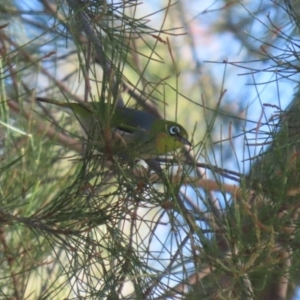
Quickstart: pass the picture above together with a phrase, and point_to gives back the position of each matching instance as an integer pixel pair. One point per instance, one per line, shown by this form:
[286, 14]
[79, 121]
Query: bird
[138, 132]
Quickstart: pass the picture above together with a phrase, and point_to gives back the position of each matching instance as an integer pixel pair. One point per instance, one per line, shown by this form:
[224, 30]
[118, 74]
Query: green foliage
[79, 223]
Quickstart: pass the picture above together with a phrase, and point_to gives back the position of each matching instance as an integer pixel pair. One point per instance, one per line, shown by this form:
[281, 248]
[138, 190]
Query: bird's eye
[174, 130]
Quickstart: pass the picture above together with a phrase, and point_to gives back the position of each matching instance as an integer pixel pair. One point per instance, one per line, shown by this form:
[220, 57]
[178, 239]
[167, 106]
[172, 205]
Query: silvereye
[146, 135]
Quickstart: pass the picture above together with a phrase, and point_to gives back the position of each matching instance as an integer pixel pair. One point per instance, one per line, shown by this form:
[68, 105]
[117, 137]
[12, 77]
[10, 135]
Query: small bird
[145, 135]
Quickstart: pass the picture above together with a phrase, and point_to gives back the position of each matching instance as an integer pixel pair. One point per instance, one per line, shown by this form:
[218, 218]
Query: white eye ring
[174, 130]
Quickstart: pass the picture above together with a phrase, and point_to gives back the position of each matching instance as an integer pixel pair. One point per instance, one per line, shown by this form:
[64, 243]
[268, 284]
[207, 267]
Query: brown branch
[48, 130]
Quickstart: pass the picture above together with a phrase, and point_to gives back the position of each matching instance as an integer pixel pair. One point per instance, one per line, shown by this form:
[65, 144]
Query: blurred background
[225, 224]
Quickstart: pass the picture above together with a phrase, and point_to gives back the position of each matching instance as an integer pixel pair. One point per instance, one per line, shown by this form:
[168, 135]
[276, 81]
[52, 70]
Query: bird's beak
[184, 141]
